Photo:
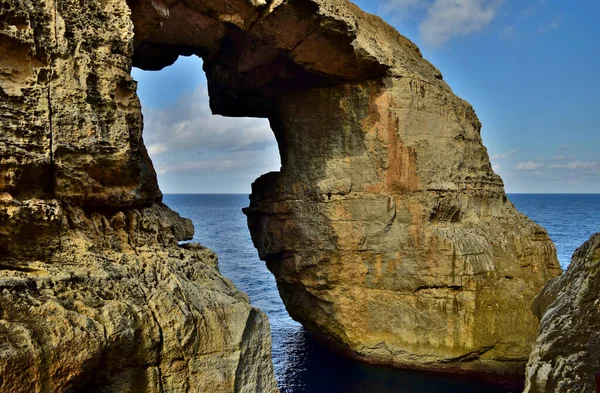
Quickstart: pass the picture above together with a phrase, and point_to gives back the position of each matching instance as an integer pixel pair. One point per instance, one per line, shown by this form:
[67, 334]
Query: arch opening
[205, 165]
[194, 151]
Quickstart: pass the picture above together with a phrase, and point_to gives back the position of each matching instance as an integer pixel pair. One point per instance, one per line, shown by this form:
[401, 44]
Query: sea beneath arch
[301, 364]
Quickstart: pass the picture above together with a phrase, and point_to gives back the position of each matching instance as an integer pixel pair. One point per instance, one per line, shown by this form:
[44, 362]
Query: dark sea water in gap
[304, 366]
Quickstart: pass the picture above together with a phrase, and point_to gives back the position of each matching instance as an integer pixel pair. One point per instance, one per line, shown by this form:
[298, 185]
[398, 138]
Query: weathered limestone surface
[122, 308]
[95, 293]
[387, 230]
[394, 237]
[565, 356]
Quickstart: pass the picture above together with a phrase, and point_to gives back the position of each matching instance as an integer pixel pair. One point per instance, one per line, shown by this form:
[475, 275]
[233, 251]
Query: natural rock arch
[388, 232]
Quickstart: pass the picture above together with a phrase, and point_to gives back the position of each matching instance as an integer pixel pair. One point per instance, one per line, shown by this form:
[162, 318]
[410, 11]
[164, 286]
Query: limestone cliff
[120, 307]
[392, 237]
[387, 230]
[565, 356]
[95, 293]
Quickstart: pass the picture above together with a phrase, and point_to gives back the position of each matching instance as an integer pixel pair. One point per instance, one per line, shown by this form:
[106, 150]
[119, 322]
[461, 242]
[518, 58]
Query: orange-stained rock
[390, 235]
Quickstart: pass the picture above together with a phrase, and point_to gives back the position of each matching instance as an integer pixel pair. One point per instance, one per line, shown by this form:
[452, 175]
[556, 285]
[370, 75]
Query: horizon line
[507, 193]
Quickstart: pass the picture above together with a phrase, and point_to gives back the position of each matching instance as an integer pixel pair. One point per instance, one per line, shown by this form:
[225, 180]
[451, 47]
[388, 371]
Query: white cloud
[552, 25]
[186, 141]
[561, 173]
[527, 12]
[502, 156]
[190, 126]
[563, 157]
[529, 166]
[557, 176]
[200, 166]
[446, 19]
[451, 18]
[565, 147]
[593, 166]
[507, 33]
[157, 149]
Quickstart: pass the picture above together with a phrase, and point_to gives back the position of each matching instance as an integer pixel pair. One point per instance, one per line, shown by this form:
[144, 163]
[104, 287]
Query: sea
[301, 364]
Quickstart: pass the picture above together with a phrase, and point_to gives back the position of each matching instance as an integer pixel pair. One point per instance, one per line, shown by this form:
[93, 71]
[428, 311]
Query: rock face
[393, 238]
[95, 293]
[121, 308]
[387, 230]
[565, 356]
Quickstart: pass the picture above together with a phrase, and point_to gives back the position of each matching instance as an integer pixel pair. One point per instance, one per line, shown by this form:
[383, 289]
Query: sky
[530, 68]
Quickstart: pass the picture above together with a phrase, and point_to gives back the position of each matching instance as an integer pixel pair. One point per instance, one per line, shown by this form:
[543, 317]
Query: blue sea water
[301, 364]
[570, 219]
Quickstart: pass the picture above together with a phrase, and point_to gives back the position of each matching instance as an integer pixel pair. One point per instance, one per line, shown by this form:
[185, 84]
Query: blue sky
[530, 68]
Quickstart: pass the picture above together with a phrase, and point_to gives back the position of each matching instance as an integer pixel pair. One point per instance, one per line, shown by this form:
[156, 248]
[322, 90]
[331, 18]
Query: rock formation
[95, 293]
[387, 230]
[565, 356]
[121, 308]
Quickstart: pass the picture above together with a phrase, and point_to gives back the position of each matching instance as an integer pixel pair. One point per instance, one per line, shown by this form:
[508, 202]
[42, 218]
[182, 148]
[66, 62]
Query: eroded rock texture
[565, 356]
[122, 308]
[394, 238]
[95, 293]
[387, 230]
